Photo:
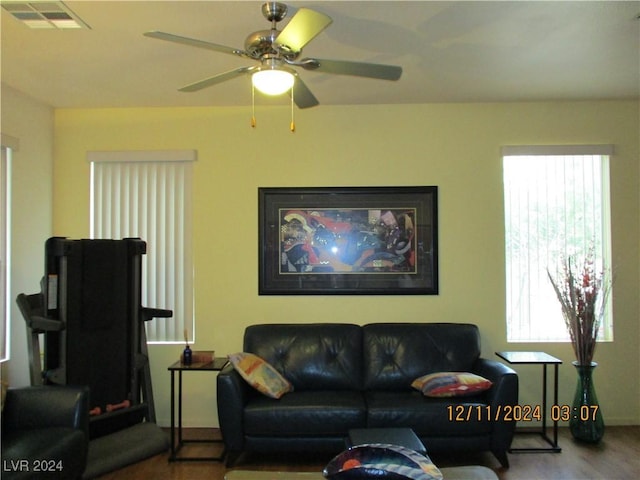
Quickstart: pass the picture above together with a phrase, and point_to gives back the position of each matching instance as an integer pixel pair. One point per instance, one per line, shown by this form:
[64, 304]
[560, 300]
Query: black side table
[544, 359]
[216, 365]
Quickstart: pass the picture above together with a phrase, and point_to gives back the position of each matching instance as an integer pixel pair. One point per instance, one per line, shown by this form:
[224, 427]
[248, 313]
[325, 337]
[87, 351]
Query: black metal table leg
[215, 365]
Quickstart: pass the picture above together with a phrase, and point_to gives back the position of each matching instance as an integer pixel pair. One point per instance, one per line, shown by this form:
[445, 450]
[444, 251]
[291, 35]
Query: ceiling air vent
[44, 14]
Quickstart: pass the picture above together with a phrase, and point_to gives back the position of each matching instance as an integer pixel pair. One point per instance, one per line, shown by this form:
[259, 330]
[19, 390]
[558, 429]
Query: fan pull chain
[293, 123]
[253, 106]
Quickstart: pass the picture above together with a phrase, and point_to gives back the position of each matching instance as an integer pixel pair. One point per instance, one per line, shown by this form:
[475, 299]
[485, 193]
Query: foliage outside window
[556, 206]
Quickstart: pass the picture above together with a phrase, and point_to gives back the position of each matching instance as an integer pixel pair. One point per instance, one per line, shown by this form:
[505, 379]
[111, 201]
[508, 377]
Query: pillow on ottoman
[379, 460]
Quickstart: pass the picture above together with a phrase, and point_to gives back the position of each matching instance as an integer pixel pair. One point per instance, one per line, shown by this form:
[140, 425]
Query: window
[5, 175]
[556, 205]
[148, 195]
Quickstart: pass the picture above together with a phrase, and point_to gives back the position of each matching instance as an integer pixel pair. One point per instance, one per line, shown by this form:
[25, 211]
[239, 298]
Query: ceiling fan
[278, 51]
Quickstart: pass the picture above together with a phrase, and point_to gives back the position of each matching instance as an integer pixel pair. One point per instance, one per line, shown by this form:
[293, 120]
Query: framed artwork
[348, 241]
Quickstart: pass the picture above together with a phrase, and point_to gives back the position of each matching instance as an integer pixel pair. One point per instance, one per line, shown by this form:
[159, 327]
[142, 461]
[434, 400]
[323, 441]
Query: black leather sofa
[348, 376]
[45, 432]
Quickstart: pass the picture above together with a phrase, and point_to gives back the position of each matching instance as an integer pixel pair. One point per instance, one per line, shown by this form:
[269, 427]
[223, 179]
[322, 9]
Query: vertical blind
[556, 205]
[148, 195]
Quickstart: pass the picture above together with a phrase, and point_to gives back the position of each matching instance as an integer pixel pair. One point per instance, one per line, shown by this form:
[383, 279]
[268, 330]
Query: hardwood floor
[617, 457]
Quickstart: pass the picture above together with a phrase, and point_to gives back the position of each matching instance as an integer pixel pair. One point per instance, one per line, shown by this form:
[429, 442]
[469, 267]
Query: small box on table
[201, 357]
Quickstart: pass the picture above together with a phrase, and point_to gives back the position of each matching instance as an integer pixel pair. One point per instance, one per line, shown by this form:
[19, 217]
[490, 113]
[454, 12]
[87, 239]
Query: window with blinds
[556, 203]
[148, 195]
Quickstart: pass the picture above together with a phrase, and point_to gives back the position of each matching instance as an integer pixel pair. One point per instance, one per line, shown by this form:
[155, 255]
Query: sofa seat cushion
[322, 412]
[426, 416]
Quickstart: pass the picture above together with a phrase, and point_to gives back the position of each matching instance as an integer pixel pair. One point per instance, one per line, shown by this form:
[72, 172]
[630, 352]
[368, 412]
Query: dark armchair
[45, 432]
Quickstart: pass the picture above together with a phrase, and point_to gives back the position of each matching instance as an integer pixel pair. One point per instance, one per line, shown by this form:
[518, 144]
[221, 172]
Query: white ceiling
[451, 51]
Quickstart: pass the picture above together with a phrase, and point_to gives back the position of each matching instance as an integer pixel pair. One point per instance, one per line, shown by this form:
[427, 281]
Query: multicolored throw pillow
[381, 461]
[451, 384]
[260, 374]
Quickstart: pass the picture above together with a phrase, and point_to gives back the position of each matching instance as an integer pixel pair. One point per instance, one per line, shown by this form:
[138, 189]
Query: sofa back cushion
[311, 356]
[395, 354]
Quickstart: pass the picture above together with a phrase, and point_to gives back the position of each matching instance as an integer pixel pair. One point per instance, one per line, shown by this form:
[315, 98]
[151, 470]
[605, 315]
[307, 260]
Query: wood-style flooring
[616, 457]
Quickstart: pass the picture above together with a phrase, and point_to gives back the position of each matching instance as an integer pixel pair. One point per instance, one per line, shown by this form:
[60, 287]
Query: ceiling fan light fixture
[273, 81]
[278, 52]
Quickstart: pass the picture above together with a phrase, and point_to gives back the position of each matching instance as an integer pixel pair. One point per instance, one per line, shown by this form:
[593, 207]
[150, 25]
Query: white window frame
[8, 144]
[529, 294]
[122, 183]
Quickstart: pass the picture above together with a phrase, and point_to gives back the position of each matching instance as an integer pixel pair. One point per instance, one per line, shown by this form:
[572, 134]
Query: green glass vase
[586, 424]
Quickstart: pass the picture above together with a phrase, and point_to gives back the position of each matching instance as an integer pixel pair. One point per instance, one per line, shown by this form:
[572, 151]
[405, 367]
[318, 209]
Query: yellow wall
[31, 123]
[453, 146]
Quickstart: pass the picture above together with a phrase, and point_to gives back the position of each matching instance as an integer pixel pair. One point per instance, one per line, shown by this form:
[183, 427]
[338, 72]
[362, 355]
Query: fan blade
[301, 29]
[302, 96]
[359, 69]
[195, 43]
[221, 77]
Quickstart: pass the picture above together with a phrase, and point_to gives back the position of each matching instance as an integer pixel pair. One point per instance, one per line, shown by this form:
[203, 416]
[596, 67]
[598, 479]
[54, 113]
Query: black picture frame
[348, 240]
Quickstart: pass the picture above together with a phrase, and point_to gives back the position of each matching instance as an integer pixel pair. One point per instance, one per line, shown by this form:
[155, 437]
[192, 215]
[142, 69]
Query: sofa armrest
[233, 394]
[504, 391]
[47, 406]
[505, 381]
